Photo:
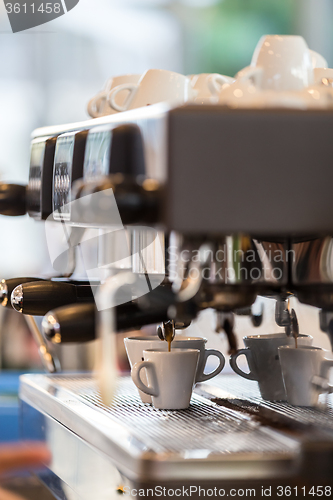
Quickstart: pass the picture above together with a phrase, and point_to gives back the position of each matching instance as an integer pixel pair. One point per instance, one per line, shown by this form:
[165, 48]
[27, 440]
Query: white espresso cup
[261, 352]
[305, 372]
[323, 76]
[154, 86]
[244, 94]
[136, 345]
[318, 61]
[280, 63]
[171, 377]
[99, 106]
[208, 85]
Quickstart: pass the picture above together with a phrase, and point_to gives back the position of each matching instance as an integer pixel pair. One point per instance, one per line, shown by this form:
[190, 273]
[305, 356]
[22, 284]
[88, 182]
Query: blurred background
[49, 73]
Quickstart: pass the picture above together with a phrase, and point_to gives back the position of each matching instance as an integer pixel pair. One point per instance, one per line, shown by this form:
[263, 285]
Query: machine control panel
[68, 167]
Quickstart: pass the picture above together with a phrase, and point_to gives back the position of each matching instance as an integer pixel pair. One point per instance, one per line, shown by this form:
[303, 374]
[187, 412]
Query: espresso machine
[169, 212]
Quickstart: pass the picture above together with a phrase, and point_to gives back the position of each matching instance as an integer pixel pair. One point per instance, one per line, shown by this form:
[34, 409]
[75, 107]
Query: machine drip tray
[100, 449]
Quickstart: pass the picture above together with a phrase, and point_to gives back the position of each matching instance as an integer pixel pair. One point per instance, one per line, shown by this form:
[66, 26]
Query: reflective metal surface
[226, 272]
[312, 271]
[78, 471]
[3, 293]
[313, 261]
[205, 442]
[51, 327]
[17, 298]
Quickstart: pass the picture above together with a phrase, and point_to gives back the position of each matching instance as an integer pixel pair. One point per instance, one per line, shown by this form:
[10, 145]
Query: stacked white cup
[282, 74]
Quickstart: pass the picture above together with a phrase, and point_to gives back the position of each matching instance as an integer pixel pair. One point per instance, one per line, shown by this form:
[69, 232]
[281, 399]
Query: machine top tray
[207, 440]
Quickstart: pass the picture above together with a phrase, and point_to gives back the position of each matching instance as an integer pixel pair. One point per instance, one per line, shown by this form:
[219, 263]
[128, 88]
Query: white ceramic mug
[208, 85]
[261, 352]
[171, 377]
[323, 76]
[318, 61]
[244, 94]
[155, 85]
[280, 63]
[305, 373]
[318, 96]
[99, 106]
[136, 345]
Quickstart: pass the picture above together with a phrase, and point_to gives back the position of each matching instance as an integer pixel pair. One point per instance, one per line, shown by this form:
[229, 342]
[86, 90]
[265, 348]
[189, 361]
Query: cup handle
[326, 365]
[91, 108]
[111, 98]
[321, 381]
[235, 367]
[322, 384]
[135, 373]
[253, 73]
[215, 83]
[211, 352]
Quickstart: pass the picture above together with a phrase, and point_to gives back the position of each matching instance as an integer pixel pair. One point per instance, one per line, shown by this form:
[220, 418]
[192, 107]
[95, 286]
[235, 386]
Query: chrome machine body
[215, 204]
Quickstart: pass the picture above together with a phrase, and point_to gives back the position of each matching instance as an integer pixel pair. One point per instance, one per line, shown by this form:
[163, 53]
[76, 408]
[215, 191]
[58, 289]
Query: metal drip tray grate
[241, 392]
[203, 429]
[206, 440]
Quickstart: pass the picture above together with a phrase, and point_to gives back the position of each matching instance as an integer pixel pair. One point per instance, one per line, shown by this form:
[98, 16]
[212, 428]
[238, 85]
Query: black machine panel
[113, 150]
[39, 191]
[262, 172]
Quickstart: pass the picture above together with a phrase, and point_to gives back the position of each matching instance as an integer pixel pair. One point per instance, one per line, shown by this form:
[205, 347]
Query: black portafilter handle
[38, 297]
[7, 287]
[13, 199]
[77, 322]
[70, 324]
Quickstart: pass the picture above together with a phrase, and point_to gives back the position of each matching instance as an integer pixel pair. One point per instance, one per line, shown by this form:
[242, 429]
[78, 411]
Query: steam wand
[50, 361]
